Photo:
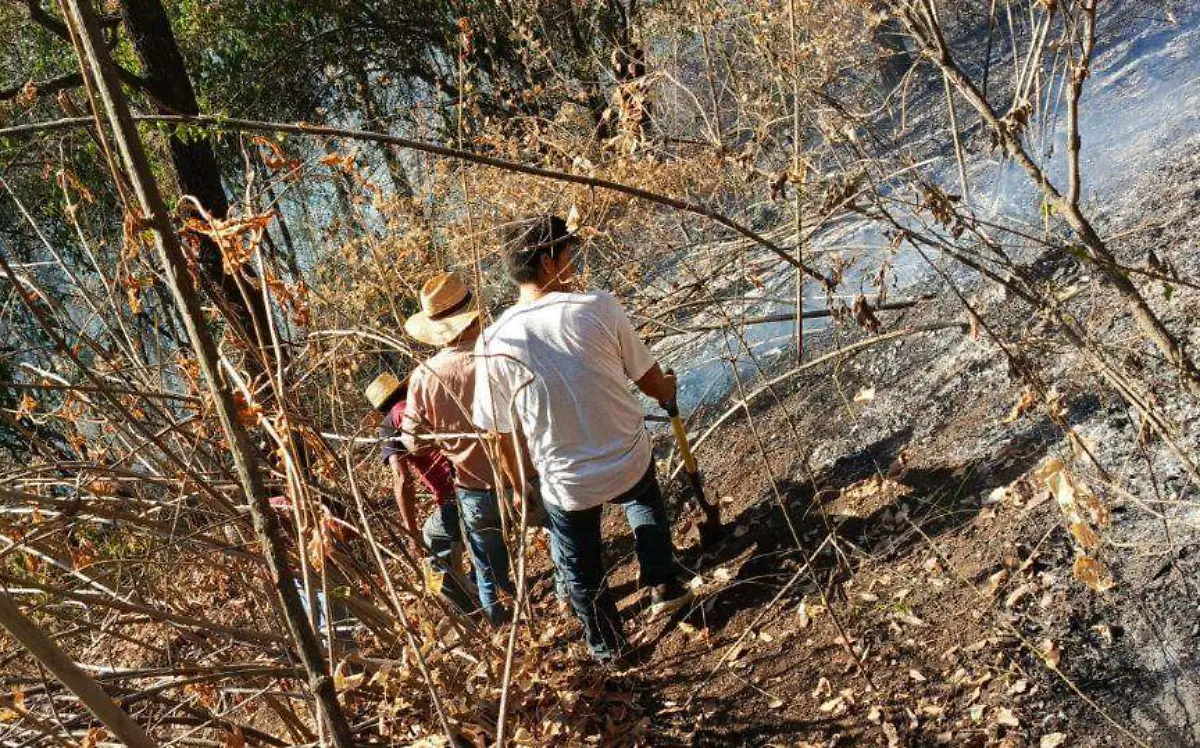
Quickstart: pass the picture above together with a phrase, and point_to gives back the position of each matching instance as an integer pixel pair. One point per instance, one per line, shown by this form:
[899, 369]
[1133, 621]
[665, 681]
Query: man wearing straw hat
[555, 374]
[440, 397]
[441, 533]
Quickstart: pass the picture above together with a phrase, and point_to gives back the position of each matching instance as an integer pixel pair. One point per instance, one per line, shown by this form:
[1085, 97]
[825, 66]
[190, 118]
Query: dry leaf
[1074, 497]
[996, 581]
[11, 705]
[93, 738]
[1027, 400]
[1004, 716]
[1097, 510]
[1053, 740]
[26, 406]
[824, 688]
[346, 682]
[1050, 653]
[249, 413]
[1085, 535]
[1019, 594]
[1093, 573]
[916, 676]
[803, 617]
[320, 546]
[832, 704]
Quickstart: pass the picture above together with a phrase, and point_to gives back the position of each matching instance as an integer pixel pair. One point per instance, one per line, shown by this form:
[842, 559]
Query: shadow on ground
[894, 498]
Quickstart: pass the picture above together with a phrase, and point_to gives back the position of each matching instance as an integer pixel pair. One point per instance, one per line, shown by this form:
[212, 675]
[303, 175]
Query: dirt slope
[931, 596]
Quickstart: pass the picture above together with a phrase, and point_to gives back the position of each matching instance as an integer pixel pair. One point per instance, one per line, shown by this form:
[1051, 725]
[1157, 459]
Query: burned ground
[930, 598]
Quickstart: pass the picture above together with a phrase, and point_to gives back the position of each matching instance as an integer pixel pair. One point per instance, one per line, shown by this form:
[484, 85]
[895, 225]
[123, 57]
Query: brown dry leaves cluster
[555, 698]
[1086, 516]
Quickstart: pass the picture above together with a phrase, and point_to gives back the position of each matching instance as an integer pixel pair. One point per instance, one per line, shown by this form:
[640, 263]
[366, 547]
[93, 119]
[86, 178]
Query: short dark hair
[527, 240]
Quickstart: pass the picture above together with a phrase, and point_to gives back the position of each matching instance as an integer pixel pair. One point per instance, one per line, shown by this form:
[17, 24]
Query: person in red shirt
[440, 531]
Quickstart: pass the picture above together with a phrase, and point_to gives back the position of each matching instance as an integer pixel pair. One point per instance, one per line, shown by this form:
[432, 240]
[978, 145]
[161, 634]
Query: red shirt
[434, 470]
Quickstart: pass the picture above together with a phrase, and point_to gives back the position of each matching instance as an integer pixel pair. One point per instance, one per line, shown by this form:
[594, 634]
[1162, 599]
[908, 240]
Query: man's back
[440, 397]
[434, 470]
[566, 360]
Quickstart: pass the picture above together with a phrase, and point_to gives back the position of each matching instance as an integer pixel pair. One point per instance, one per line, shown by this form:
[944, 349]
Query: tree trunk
[195, 164]
[198, 174]
[366, 99]
[167, 78]
[267, 526]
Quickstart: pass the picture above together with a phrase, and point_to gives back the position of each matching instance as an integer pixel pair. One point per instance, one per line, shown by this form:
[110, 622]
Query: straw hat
[447, 309]
[382, 388]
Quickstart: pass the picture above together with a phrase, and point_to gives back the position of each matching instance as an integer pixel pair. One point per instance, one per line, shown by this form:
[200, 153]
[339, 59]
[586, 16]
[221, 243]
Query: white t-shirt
[564, 363]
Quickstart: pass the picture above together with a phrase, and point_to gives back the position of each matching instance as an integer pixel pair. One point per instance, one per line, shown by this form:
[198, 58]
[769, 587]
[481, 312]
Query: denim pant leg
[647, 516]
[577, 545]
[481, 518]
[441, 532]
[561, 592]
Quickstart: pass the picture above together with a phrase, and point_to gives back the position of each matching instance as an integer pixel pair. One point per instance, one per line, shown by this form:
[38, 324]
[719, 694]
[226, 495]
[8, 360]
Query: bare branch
[64, 668]
[53, 85]
[39, 15]
[247, 125]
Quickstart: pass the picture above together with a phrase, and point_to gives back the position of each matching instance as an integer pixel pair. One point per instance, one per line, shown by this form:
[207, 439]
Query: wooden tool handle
[685, 448]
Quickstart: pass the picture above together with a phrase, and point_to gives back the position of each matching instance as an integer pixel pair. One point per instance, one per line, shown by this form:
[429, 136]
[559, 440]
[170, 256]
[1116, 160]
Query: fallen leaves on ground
[1024, 404]
[1005, 716]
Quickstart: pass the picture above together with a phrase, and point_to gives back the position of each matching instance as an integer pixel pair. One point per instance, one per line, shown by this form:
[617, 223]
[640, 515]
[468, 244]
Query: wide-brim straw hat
[382, 389]
[447, 310]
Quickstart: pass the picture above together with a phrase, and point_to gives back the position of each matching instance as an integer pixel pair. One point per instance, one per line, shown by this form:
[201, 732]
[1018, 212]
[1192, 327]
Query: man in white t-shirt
[554, 371]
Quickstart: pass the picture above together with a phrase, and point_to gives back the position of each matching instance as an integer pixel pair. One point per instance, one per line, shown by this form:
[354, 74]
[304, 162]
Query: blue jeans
[561, 592]
[343, 622]
[578, 549]
[440, 532]
[481, 518]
